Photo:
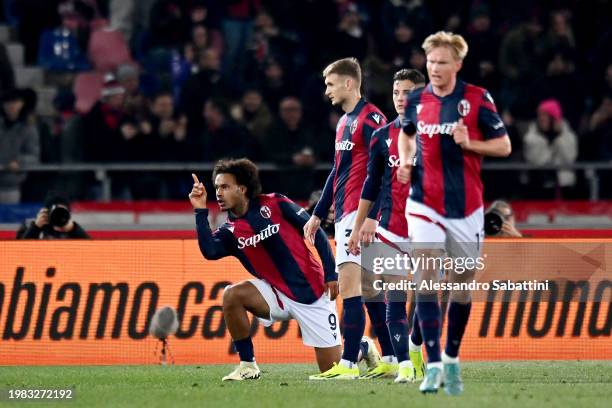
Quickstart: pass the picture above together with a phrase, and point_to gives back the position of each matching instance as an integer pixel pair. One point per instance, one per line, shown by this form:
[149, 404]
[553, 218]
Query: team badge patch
[353, 127]
[463, 107]
[265, 211]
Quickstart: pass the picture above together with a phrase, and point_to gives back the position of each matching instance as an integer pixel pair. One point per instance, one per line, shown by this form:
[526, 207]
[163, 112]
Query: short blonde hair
[445, 39]
[346, 66]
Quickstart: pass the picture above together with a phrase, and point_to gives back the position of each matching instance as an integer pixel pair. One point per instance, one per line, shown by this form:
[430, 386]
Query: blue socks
[458, 316]
[244, 348]
[377, 310]
[353, 322]
[428, 311]
[415, 334]
[397, 323]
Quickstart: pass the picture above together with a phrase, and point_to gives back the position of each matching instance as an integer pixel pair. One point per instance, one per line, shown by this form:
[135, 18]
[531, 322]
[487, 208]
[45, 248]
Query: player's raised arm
[212, 246]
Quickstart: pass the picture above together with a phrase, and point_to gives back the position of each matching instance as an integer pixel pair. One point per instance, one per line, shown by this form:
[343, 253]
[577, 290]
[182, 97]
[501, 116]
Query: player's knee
[231, 296]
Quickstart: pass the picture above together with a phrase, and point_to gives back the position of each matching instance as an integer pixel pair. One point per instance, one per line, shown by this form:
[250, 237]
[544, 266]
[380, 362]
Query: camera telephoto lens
[493, 222]
[59, 216]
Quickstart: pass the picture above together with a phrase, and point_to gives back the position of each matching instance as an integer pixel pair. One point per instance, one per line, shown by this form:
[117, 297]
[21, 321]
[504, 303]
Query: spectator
[255, 115]
[53, 221]
[269, 40]
[562, 83]
[483, 41]
[167, 130]
[206, 13]
[291, 142]
[274, 84]
[206, 82]
[135, 103]
[520, 57]
[19, 146]
[199, 39]
[560, 37]
[350, 39]
[223, 137]
[600, 127]
[401, 46]
[101, 127]
[237, 30]
[551, 141]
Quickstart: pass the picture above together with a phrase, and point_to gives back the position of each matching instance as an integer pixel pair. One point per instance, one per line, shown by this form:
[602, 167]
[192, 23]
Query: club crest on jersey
[265, 211]
[463, 107]
[353, 127]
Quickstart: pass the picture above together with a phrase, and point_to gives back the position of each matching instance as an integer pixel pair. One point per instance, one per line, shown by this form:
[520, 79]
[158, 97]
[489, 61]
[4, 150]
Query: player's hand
[332, 288]
[367, 233]
[403, 173]
[197, 197]
[42, 218]
[461, 135]
[353, 243]
[311, 227]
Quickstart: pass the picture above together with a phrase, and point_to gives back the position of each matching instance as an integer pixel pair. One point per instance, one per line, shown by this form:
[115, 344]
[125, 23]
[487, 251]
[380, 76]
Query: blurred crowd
[197, 80]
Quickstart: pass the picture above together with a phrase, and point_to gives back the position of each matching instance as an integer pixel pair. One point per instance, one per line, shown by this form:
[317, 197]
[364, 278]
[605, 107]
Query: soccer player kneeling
[265, 233]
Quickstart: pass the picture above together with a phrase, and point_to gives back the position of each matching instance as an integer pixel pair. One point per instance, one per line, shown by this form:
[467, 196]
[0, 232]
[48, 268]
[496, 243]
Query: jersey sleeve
[213, 245]
[375, 172]
[489, 121]
[327, 197]
[408, 122]
[297, 216]
[374, 121]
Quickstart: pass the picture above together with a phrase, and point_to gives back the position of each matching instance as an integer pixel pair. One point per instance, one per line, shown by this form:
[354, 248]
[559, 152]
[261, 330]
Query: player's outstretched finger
[195, 179]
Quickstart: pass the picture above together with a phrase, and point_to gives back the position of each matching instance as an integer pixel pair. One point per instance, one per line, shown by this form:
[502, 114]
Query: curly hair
[245, 172]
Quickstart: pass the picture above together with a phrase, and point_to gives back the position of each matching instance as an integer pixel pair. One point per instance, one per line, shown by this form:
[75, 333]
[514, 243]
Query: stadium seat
[59, 51]
[108, 50]
[87, 90]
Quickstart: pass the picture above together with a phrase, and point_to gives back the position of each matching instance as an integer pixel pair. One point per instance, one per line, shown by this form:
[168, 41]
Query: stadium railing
[103, 171]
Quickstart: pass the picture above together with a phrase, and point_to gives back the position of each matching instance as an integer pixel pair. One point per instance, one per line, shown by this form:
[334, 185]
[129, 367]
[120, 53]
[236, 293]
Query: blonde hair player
[454, 124]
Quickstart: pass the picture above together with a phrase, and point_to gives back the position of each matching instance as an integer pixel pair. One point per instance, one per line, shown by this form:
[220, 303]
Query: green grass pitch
[490, 384]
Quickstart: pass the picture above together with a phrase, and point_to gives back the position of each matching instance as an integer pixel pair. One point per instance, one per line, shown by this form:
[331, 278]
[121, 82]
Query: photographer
[500, 221]
[53, 221]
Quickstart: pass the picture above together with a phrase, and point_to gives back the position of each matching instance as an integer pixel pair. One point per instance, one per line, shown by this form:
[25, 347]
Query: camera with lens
[58, 216]
[493, 221]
